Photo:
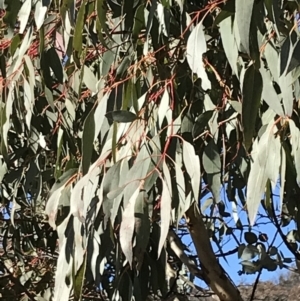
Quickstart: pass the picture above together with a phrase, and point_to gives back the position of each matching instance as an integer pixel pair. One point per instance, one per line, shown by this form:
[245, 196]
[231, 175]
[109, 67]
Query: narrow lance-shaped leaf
[274, 159]
[282, 175]
[127, 226]
[243, 15]
[295, 141]
[165, 208]
[196, 47]
[77, 41]
[258, 176]
[212, 166]
[192, 165]
[88, 141]
[24, 15]
[251, 90]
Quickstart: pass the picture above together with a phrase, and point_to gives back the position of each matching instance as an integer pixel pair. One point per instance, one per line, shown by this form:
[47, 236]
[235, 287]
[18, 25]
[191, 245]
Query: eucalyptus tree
[119, 118]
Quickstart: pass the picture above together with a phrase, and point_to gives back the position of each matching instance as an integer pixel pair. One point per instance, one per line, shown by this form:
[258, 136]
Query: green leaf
[77, 41]
[121, 116]
[251, 91]
[87, 145]
[269, 94]
[127, 226]
[139, 22]
[79, 280]
[243, 14]
[23, 15]
[211, 158]
[55, 64]
[227, 10]
[89, 79]
[229, 44]
[249, 252]
[258, 177]
[250, 237]
[100, 113]
[165, 208]
[12, 10]
[201, 123]
[101, 13]
[196, 47]
[192, 165]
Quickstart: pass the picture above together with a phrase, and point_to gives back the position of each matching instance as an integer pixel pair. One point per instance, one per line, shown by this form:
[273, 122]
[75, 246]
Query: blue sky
[232, 266]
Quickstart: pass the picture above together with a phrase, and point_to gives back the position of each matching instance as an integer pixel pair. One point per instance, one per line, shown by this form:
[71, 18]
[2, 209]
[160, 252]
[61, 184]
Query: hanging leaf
[77, 41]
[201, 123]
[39, 14]
[196, 47]
[258, 177]
[251, 90]
[192, 165]
[269, 94]
[87, 145]
[229, 43]
[211, 158]
[79, 281]
[89, 79]
[127, 226]
[24, 15]
[100, 113]
[55, 64]
[243, 15]
[165, 208]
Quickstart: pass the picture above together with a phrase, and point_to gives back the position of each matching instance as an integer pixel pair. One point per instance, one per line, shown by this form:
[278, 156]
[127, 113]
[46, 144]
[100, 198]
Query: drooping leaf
[89, 79]
[229, 43]
[79, 281]
[243, 14]
[258, 177]
[201, 123]
[165, 208]
[55, 64]
[39, 14]
[192, 165]
[24, 15]
[77, 41]
[87, 145]
[127, 226]
[251, 90]
[196, 47]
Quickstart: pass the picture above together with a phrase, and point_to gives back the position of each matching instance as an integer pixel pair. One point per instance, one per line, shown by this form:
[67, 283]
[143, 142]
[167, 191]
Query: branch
[213, 273]
[178, 248]
[255, 285]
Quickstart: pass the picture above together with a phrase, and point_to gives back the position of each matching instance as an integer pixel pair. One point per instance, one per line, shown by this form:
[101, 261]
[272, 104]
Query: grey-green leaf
[121, 116]
[251, 90]
[87, 145]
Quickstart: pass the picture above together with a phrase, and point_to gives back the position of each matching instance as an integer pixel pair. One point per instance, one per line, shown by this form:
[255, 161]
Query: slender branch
[255, 285]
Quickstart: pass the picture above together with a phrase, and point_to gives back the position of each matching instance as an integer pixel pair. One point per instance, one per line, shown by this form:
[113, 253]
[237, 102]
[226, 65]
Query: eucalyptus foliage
[117, 117]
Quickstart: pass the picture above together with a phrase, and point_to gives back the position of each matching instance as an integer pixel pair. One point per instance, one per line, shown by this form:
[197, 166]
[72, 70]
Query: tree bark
[213, 273]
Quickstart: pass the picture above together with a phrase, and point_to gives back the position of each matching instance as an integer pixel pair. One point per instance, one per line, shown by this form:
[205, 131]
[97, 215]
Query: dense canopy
[127, 126]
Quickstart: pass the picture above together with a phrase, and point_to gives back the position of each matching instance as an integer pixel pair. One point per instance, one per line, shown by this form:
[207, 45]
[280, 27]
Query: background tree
[119, 118]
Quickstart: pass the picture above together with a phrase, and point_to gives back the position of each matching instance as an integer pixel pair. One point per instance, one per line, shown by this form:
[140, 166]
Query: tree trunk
[213, 273]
